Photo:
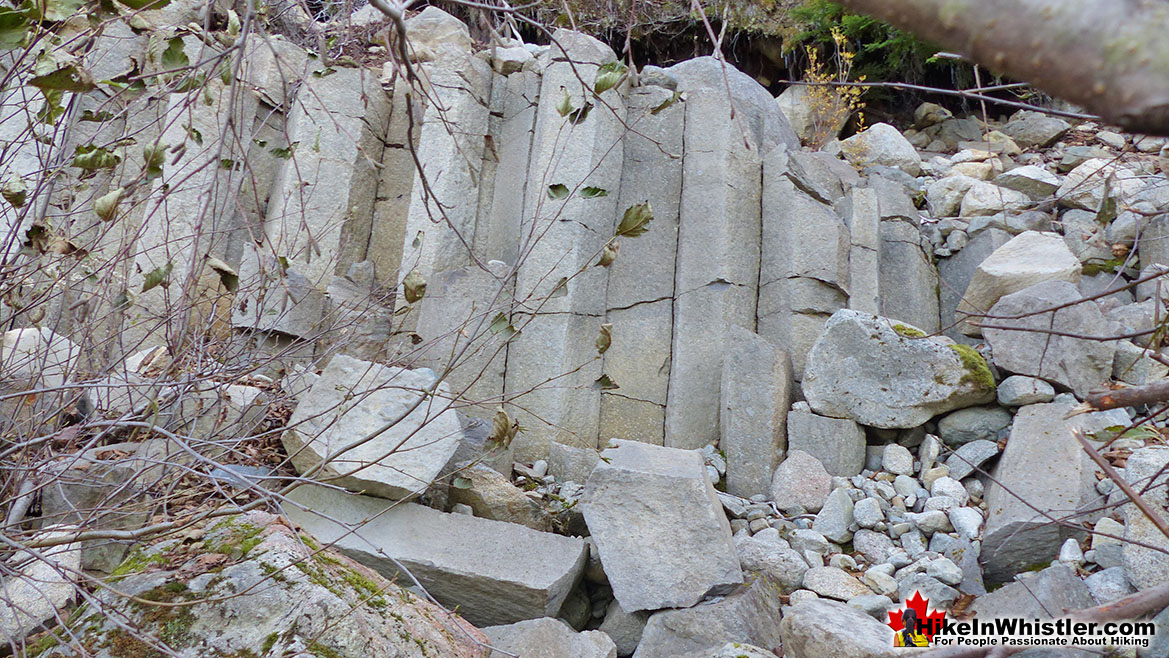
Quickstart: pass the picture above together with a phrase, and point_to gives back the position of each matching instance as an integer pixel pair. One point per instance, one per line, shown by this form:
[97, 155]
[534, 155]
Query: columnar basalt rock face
[561, 299]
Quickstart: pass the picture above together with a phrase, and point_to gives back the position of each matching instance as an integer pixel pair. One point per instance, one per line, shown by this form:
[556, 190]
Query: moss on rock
[977, 371]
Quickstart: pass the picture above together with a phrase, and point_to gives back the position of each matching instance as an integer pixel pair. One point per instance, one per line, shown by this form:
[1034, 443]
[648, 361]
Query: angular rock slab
[1042, 473]
[1027, 259]
[881, 373]
[659, 528]
[1024, 346]
[748, 615]
[829, 629]
[353, 399]
[280, 593]
[495, 572]
[550, 638]
[756, 392]
[33, 594]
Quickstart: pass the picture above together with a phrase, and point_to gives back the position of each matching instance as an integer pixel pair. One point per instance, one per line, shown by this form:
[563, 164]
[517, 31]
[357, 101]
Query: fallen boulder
[353, 400]
[1042, 476]
[751, 614]
[1027, 259]
[881, 373]
[548, 638]
[1027, 345]
[661, 532]
[494, 572]
[818, 628]
[265, 586]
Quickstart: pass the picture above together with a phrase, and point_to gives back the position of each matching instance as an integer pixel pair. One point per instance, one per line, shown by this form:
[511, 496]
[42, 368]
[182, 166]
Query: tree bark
[1109, 56]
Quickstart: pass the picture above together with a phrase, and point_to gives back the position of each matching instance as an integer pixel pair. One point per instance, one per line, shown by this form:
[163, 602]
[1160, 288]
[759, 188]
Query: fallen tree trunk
[1109, 56]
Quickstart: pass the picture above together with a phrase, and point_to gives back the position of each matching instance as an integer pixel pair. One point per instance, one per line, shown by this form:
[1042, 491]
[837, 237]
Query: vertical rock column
[717, 270]
[640, 301]
[560, 298]
[804, 277]
[192, 212]
[463, 292]
[471, 297]
[908, 277]
[320, 211]
[444, 203]
[756, 392]
[864, 223]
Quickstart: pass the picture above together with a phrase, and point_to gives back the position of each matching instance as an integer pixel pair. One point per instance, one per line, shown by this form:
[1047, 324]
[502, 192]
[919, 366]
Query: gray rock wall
[499, 180]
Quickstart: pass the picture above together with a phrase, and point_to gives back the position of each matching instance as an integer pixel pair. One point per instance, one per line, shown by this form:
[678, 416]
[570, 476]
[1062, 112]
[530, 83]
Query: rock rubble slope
[819, 384]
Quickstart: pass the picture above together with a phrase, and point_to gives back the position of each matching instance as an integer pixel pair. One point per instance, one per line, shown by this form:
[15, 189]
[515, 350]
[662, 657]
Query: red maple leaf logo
[931, 621]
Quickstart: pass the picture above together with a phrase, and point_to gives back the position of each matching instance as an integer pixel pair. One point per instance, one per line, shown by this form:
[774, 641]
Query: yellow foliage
[831, 104]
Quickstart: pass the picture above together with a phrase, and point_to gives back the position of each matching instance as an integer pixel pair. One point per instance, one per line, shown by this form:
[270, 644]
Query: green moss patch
[908, 332]
[977, 372]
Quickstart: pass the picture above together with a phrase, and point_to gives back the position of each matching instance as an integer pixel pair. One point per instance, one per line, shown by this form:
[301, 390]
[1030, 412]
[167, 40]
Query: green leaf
[155, 156]
[608, 76]
[501, 325]
[607, 383]
[14, 28]
[565, 107]
[605, 338]
[636, 220]
[609, 254]
[414, 285]
[52, 109]
[593, 192]
[15, 191]
[55, 10]
[157, 277]
[461, 482]
[194, 134]
[667, 103]
[96, 117]
[90, 157]
[286, 152]
[577, 117]
[503, 429]
[68, 77]
[227, 276]
[557, 191]
[106, 205]
[175, 57]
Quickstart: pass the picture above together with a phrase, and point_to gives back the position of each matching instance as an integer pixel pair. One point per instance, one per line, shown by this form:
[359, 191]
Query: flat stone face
[1027, 259]
[717, 268]
[881, 373]
[750, 614]
[454, 322]
[1022, 345]
[663, 537]
[1043, 465]
[562, 239]
[551, 638]
[495, 572]
[756, 392]
[33, 594]
[838, 443]
[829, 629]
[908, 279]
[353, 399]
